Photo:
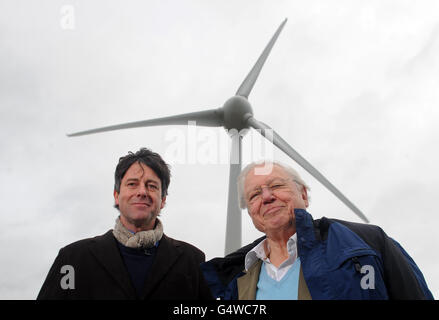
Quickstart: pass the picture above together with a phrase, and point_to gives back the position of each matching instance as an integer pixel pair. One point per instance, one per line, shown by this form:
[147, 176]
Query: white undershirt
[273, 272]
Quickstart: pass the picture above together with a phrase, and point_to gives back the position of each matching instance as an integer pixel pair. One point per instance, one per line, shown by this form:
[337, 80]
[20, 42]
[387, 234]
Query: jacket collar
[305, 229]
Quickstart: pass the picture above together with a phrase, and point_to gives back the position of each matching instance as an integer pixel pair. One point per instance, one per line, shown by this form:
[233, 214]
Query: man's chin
[277, 222]
[142, 221]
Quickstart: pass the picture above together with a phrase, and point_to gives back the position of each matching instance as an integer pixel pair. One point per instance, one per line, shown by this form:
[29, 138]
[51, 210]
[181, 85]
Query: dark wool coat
[100, 272]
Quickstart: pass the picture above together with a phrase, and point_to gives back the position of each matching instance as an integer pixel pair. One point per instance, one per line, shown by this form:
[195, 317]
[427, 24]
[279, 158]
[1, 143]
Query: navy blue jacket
[336, 258]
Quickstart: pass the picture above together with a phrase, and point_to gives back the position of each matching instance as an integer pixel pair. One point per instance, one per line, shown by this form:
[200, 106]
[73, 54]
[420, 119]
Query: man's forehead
[139, 170]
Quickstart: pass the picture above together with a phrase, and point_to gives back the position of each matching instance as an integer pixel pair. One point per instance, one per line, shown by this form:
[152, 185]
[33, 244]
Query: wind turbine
[236, 116]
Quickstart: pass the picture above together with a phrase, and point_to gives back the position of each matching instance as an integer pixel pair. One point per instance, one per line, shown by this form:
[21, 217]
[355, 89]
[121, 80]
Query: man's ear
[305, 196]
[163, 202]
[116, 197]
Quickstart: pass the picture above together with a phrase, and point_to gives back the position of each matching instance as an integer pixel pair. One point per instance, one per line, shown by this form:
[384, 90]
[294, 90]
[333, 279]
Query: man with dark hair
[135, 260]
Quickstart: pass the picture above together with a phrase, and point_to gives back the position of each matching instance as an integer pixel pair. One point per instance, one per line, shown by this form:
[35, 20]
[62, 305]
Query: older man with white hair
[302, 258]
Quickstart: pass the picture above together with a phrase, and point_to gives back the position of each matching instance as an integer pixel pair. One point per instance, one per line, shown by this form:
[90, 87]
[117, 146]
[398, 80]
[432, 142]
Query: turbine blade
[248, 83]
[285, 147]
[208, 118]
[233, 226]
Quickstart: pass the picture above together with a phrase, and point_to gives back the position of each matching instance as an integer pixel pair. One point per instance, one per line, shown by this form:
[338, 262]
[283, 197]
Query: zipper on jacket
[357, 264]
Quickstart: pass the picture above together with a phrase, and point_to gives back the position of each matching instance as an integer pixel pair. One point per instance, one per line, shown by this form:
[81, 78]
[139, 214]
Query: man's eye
[153, 187]
[254, 195]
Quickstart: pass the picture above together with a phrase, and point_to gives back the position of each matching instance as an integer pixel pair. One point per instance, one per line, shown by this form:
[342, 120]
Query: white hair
[289, 170]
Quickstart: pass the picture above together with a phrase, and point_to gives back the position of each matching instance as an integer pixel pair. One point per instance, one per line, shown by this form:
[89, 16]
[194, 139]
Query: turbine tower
[236, 116]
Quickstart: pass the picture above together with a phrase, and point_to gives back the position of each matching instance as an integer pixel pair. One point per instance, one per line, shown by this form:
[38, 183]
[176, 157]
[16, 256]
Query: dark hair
[148, 158]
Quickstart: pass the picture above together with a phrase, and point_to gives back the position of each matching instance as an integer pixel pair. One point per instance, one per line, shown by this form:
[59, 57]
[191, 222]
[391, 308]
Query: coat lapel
[107, 253]
[248, 282]
[303, 291]
[167, 254]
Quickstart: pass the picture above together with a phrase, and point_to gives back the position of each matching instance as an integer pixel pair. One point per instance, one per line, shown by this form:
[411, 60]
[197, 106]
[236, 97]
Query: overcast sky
[351, 85]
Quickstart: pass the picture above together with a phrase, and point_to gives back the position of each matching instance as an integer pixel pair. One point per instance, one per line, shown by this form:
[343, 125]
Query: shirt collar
[258, 252]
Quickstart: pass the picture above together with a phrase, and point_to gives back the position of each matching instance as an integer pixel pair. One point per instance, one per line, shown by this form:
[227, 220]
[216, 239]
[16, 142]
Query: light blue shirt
[285, 289]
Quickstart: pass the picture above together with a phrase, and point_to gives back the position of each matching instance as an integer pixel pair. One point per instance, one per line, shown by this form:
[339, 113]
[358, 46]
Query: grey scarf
[142, 239]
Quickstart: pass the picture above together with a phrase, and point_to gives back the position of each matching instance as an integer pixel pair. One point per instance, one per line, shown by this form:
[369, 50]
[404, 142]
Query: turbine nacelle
[236, 111]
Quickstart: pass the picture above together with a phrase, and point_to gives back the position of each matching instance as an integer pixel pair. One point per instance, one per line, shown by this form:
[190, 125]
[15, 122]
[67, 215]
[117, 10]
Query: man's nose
[142, 191]
[267, 195]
